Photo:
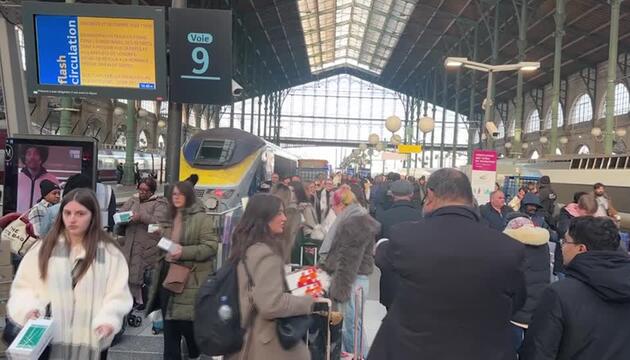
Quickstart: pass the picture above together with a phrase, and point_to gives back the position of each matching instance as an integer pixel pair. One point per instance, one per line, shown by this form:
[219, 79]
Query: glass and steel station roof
[356, 33]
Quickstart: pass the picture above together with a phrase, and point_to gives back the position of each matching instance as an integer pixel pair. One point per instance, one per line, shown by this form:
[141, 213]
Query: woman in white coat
[81, 274]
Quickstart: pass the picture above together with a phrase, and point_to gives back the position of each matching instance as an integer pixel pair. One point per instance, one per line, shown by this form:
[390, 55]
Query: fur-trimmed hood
[529, 235]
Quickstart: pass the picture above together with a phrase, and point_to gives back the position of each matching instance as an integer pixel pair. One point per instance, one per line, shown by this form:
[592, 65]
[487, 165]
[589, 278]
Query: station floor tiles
[140, 344]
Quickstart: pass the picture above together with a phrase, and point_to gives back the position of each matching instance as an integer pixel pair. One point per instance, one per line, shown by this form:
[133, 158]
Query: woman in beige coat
[257, 244]
[140, 246]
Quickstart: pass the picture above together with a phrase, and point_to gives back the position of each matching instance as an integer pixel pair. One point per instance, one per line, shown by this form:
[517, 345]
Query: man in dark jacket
[585, 316]
[494, 212]
[460, 282]
[403, 209]
[547, 198]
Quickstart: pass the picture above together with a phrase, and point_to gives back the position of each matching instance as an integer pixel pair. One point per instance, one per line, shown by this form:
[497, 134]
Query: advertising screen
[81, 50]
[39, 162]
[32, 159]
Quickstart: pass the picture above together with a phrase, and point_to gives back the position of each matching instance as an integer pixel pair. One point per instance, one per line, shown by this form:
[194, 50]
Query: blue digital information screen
[95, 51]
[58, 50]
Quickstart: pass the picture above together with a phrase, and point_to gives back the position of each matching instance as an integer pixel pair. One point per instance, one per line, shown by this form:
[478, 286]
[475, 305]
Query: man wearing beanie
[402, 210]
[547, 198]
[39, 216]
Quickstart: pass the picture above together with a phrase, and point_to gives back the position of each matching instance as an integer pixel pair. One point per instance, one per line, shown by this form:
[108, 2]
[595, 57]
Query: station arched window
[622, 102]
[501, 127]
[533, 122]
[558, 151]
[511, 128]
[582, 110]
[143, 142]
[121, 140]
[583, 150]
[560, 118]
[535, 155]
[148, 106]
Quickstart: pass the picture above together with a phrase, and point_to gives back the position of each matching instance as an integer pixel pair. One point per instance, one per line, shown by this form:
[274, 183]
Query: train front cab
[231, 166]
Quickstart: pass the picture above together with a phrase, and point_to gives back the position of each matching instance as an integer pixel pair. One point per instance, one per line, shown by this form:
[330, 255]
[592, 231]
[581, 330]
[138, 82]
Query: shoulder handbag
[176, 278]
[20, 234]
[291, 330]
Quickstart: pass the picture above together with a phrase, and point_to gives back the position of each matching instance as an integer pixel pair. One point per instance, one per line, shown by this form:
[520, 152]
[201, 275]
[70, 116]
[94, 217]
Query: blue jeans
[518, 336]
[348, 307]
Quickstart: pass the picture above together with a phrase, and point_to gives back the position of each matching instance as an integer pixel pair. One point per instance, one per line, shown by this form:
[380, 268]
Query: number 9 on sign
[200, 56]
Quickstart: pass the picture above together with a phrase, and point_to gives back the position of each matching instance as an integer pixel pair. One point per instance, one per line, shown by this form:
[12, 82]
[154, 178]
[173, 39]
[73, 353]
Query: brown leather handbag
[176, 278]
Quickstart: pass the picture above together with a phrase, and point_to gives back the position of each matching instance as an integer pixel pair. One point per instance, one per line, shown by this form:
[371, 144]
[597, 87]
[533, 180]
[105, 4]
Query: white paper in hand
[165, 244]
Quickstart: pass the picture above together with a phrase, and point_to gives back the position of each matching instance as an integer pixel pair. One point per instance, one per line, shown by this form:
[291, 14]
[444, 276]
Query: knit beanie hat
[46, 186]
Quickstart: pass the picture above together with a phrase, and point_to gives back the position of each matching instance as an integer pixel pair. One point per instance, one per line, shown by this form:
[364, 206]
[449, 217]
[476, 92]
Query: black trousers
[46, 354]
[173, 332]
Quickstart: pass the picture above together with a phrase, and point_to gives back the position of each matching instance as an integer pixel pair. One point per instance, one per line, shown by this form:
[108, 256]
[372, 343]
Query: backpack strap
[250, 321]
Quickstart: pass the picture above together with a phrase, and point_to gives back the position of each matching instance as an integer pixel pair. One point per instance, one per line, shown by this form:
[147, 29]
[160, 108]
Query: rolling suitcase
[324, 336]
[358, 325]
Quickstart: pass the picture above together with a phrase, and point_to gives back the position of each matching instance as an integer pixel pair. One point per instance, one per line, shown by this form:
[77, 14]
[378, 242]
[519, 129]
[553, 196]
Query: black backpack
[217, 324]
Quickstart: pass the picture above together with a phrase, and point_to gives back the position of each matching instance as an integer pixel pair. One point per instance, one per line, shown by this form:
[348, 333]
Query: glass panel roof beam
[433, 46]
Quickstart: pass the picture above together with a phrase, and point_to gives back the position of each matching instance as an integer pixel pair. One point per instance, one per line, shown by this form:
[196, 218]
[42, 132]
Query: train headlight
[212, 203]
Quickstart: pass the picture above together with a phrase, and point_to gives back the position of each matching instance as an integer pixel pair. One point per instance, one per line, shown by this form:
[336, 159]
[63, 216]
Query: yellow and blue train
[232, 165]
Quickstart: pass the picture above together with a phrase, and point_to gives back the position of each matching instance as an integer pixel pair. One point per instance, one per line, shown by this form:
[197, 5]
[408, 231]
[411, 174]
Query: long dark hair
[185, 188]
[300, 192]
[254, 226]
[92, 237]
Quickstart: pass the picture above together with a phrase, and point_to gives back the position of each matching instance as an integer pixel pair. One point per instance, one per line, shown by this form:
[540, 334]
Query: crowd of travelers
[519, 278]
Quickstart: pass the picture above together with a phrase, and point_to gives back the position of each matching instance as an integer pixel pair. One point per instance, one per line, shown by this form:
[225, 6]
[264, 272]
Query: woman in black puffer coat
[537, 270]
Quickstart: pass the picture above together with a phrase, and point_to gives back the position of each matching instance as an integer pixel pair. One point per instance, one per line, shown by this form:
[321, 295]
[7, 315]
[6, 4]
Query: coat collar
[461, 210]
[404, 203]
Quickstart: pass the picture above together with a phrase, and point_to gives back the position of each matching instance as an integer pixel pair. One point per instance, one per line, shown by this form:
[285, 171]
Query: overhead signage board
[200, 56]
[110, 51]
[409, 149]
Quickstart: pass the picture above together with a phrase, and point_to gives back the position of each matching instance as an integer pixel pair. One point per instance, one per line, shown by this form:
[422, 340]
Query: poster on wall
[484, 174]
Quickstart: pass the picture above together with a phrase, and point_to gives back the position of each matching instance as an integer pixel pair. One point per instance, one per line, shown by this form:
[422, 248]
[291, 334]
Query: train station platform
[140, 343]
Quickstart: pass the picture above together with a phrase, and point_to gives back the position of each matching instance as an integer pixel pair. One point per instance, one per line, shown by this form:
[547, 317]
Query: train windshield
[214, 152]
[210, 150]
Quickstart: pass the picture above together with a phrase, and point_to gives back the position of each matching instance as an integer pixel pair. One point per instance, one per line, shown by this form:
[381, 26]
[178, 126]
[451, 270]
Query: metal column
[130, 144]
[173, 142]
[259, 110]
[131, 137]
[489, 111]
[266, 113]
[458, 82]
[424, 135]
[12, 81]
[232, 114]
[560, 17]
[251, 117]
[433, 110]
[444, 107]
[515, 151]
[243, 114]
[609, 133]
[471, 105]
[65, 118]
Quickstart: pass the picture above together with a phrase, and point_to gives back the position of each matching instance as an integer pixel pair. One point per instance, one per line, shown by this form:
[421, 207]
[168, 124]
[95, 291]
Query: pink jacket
[29, 192]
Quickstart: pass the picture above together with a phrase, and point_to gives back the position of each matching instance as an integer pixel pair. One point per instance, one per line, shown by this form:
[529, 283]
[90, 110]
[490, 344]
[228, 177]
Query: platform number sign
[200, 56]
